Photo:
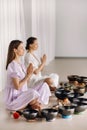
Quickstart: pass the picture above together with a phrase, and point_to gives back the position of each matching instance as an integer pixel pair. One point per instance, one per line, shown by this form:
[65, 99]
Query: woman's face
[20, 50]
[34, 46]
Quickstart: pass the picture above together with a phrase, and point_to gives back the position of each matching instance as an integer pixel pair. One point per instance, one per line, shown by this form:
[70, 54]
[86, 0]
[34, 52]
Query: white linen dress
[35, 79]
[17, 99]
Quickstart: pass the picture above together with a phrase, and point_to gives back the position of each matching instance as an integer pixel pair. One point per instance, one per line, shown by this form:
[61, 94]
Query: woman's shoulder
[28, 56]
[12, 65]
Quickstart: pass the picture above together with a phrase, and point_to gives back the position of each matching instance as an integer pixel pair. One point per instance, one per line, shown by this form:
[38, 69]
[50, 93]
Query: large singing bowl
[30, 114]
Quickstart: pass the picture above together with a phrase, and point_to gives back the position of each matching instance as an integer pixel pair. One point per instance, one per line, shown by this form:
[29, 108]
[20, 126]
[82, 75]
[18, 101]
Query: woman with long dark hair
[17, 94]
[30, 57]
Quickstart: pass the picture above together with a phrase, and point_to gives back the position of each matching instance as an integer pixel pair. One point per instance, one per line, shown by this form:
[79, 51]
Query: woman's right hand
[43, 59]
[30, 70]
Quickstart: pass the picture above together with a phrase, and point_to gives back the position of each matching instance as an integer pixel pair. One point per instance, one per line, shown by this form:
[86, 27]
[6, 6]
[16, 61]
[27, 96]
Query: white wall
[43, 26]
[40, 22]
[19, 19]
[27, 4]
[11, 27]
[71, 28]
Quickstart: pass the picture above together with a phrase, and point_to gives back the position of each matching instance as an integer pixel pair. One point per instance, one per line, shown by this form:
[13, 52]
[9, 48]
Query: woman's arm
[19, 83]
[40, 68]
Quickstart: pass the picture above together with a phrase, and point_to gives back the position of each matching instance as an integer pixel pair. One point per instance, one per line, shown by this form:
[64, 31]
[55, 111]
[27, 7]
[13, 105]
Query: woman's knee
[56, 76]
[35, 104]
[49, 81]
[33, 101]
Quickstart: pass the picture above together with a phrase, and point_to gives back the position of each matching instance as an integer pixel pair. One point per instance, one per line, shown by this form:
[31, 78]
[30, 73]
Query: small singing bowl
[83, 100]
[67, 88]
[70, 108]
[61, 96]
[58, 94]
[75, 100]
[66, 92]
[63, 111]
[30, 114]
[81, 90]
[83, 78]
[71, 96]
[81, 107]
[61, 88]
[72, 78]
[49, 111]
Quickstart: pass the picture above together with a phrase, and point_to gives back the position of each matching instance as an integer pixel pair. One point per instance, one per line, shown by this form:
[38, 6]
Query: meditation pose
[17, 94]
[30, 57]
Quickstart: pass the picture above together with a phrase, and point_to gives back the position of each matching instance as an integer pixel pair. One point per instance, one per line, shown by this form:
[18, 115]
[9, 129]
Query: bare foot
[52, 88]
[37, 106]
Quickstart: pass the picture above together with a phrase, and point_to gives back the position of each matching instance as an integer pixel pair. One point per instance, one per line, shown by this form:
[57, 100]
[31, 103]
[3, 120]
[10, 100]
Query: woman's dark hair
[30, 40]
[11, 55]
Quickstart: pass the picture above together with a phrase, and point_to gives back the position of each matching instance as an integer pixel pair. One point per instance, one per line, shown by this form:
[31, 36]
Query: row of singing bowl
[80, 79]
[61, 93]
[78, 105]
[74, 108]
[48, 113]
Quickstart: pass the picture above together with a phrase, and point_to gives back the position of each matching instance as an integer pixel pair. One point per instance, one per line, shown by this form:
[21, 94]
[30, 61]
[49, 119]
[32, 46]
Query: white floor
[63, 67]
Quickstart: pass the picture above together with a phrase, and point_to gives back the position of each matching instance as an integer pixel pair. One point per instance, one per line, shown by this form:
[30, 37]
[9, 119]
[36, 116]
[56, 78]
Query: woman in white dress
[52, 79]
